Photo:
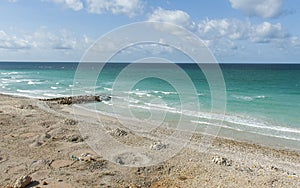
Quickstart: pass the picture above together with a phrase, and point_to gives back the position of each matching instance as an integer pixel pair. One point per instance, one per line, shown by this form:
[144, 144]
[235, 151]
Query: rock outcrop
[79, 99]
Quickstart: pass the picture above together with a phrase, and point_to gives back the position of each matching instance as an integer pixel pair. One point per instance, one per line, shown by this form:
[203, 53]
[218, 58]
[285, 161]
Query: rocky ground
[41, 146]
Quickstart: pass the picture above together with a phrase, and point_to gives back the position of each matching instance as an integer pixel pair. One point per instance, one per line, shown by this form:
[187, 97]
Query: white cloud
[177, 17]
[128, 7]
[42, 39]
[73, 4]
[13, 42]
[261, 8]
[267, 32]
[231, 28]
[234, 29]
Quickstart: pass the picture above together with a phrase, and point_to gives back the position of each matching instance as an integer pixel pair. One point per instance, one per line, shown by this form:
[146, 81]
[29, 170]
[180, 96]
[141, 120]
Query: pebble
[221, 161]
[70, 122]
[118, 132]
[158, 146]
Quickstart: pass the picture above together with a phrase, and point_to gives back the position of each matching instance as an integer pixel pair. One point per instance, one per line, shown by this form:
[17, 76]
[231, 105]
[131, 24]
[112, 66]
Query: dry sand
[39, 138]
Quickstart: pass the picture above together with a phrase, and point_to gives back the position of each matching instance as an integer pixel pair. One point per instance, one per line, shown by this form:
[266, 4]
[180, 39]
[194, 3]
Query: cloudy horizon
[236, 31]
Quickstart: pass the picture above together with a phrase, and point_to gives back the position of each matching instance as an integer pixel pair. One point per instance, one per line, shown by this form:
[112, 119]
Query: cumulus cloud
[177, 17]
[232, 28]
[42, 39]
[260, 8]
[13, 42]
[127, 7]
[241, 30]
[73, 4]
[267, 32]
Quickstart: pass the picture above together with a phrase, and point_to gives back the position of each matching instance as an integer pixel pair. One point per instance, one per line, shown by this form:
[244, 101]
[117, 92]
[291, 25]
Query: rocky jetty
[79, 99]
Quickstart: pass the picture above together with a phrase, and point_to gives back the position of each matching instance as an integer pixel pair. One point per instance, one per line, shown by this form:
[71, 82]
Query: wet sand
[42, 139]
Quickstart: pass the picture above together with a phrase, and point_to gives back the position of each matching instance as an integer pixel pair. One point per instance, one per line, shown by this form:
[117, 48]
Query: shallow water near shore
[262, 100]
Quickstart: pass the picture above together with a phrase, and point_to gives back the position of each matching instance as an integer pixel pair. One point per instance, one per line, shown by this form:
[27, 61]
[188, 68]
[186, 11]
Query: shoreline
[38, 138]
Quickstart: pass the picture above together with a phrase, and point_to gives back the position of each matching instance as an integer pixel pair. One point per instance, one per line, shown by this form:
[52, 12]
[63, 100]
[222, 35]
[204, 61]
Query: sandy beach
[41, 140]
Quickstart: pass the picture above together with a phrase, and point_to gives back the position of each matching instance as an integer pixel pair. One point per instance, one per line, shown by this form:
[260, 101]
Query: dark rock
[75, 139]
[79, 99]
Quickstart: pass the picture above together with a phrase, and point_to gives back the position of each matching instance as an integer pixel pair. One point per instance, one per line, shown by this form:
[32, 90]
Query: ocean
[262, 101]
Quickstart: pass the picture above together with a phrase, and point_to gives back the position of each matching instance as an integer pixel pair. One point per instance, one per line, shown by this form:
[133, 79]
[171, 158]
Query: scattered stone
[221, 161]
[274, 168]
[22, 182]
[83, 157]
[118, 132]
[70, 122]
[44, 183]
[120, 161]
[96, 165]
[158, 146]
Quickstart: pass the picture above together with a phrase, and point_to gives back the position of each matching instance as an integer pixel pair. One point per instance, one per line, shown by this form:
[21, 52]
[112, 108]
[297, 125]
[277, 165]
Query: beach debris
[79, 99]
[118, 132]
[221, 161]
[22, 181]
[74, 158]
[158, 146]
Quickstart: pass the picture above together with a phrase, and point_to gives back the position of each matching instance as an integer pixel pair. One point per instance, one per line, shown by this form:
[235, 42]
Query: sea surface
[262, 100]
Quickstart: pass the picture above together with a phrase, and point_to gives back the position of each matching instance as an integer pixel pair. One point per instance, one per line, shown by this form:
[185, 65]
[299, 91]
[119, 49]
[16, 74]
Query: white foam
[160, 106]
[53, 95]
[249, 98]
[107, 89]
[30, 82]
[11, 73]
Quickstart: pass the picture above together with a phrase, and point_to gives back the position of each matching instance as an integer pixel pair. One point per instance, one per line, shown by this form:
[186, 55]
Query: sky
[236, 31]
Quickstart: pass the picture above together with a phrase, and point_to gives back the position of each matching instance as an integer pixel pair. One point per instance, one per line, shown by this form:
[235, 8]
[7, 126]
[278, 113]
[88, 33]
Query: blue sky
[234, 30]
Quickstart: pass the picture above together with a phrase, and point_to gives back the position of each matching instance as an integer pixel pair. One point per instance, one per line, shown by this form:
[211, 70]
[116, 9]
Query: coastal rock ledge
[79, 99]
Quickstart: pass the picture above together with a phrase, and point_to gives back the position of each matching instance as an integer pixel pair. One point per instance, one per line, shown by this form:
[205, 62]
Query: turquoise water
[262, 101]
